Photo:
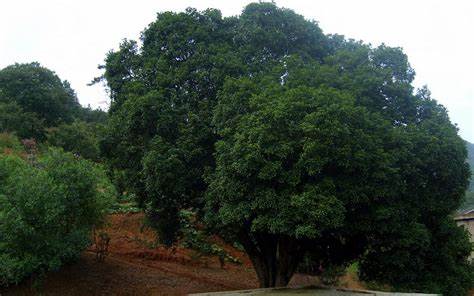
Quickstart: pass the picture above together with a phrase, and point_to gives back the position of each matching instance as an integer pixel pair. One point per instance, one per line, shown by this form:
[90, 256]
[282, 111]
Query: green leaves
[314, 212]
[38, 90]
[296, 154]
[33, 99]
[79, 137]
[286, 140]
[48, 212]
[14, 119]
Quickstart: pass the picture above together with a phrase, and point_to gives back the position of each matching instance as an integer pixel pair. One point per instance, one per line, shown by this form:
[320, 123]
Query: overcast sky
[72, 38]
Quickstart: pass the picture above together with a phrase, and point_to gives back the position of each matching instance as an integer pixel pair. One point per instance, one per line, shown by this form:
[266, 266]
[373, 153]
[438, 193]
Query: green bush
[9, 142]
[125, 203]
[48, 211]
[199, 240]
[14, 119]
[442, 265]
[78, 137]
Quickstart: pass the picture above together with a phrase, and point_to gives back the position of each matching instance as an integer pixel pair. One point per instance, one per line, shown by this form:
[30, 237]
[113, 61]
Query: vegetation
[33, 98]
[49, 207]
[9, 144]
[291, 143]
[124, 203]
[50, 199]
[470, 159]
[310, 151]
[25, 124]
[38, 90]
[197, 239]
[78, 137]
[468, 203]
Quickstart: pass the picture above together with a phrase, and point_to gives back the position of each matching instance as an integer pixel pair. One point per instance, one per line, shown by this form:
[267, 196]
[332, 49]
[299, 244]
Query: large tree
[290, 142]
[289, 171]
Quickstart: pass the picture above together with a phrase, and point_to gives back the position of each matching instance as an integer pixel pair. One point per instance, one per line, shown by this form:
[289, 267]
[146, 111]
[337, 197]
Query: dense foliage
[33, 98]
[25, 124]
[38, 90]
[470, 152]
[293, 144]
[10, 144]
[468, 203]
[78, 137]
[49, 206]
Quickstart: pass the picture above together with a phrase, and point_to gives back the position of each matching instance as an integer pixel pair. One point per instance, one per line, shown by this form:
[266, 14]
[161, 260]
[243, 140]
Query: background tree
[33, 98]
[469, 200]
[39, 90]
[90, 115]
[290, 142]
[470, 152]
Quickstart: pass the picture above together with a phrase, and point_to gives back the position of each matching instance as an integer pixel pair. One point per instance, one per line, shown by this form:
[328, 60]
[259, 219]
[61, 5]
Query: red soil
[135, 267]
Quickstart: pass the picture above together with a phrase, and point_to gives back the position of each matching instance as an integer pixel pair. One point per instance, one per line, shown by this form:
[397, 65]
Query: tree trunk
[274, 258]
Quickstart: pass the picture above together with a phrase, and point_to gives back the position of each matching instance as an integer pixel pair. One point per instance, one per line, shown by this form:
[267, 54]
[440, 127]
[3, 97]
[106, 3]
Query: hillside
[134, 266]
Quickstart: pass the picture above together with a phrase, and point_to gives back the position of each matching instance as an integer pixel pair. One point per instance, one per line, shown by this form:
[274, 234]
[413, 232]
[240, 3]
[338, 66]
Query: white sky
[72, 37]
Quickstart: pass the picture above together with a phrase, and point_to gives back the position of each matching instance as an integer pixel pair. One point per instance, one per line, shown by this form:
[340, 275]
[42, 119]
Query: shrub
[197, 239]
[78, 137]
[9, 143]
[14, 119]
[48, 211]
[441, 267]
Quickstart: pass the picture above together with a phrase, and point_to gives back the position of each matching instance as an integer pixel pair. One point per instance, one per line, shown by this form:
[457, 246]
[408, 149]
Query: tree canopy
[291, 143]
[33, 98]
[470, 152]
[39, 90]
